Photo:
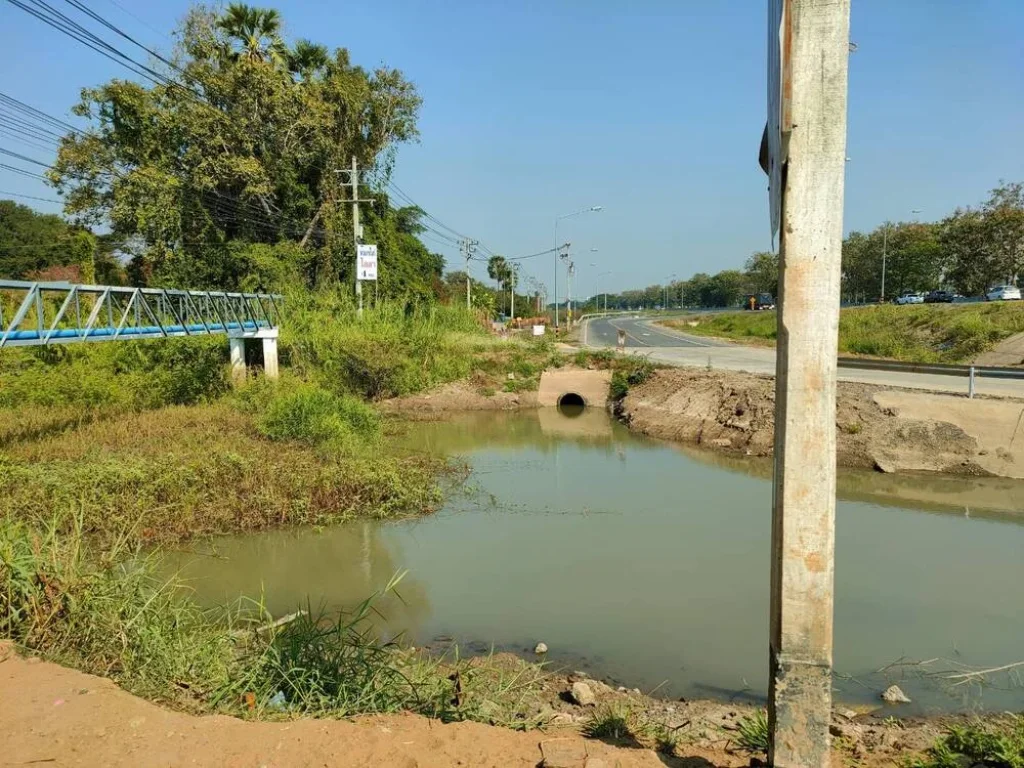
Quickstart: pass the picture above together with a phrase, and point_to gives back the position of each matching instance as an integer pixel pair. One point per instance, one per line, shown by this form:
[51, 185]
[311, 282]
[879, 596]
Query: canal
[646, 563]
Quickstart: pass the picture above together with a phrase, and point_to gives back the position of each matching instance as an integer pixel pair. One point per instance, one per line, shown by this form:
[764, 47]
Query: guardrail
[970, 372]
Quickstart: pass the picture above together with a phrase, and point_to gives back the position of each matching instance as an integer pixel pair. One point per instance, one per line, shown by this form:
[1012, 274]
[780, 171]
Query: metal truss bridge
[41, 313]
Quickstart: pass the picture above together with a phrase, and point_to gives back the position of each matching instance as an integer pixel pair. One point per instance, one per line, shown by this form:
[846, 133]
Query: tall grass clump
[315, 416]
[394, 349]
[106, 612]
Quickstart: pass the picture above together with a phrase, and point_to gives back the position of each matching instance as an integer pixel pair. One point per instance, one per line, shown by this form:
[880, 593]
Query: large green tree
[247, 144]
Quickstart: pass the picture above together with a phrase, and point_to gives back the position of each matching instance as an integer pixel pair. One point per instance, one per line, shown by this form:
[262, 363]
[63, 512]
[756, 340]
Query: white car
[910, 298]
[1003, 293]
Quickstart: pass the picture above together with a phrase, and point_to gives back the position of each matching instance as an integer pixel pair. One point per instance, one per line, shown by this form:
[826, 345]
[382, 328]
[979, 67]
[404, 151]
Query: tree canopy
[244, 146]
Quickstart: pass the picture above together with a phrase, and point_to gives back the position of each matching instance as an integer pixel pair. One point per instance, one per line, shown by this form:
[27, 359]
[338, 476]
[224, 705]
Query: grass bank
[104, 611]
[928, 333]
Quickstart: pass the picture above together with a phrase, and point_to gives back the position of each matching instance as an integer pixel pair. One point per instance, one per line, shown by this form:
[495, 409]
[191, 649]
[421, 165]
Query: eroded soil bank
[884, 429]
[62, 717]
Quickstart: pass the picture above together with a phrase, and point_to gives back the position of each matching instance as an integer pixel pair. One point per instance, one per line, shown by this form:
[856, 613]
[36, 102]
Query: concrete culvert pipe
[571, 404]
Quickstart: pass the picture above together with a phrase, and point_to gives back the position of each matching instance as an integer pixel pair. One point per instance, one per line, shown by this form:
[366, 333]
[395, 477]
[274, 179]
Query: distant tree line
[967, 252]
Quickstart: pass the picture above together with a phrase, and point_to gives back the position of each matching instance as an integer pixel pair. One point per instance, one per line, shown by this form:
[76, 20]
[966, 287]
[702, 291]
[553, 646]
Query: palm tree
[307, 58]
[254, 33]
[498, 270]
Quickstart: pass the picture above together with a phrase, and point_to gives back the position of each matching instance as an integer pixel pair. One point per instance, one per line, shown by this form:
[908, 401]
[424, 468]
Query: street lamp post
[558, 248]
[599, 292]
[885, 244]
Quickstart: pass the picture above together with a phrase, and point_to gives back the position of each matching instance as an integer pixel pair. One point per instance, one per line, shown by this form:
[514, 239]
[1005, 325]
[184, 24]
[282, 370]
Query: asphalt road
[603, 332]
[644, 337]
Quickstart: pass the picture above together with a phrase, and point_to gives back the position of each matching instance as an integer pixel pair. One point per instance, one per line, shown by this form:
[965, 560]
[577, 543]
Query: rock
[600, 688]
[849, 731]
[894, 695]
[721, 442]
[846, 714]
[596, 762]
[561, 718]
[582, 694]
[563, 753]
[621, 689]
[541, 648]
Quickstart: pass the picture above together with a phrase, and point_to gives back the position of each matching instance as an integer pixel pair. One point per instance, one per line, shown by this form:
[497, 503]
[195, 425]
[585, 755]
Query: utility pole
[885, 244]
[357, 230]
[468, 248]
[806, 139]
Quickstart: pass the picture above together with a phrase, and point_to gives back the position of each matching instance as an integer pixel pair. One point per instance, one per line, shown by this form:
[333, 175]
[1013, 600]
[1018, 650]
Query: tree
[499, 271]
[253, 34]
[246, 153]
[762, 273]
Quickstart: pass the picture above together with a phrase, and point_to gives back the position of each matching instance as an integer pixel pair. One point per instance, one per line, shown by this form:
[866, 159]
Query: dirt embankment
[57, 716]
[888, 430]
[458, 396]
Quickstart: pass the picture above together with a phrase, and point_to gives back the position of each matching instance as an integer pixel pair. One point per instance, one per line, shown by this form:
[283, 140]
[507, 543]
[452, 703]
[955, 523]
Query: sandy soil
[51, 715]
[734, 412]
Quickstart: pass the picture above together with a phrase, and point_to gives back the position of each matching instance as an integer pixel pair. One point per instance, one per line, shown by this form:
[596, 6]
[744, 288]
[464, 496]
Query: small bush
[315, 416]
[629, 372]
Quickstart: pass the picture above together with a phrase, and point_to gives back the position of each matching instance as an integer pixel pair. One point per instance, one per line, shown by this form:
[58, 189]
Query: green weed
[999, 745]
[315, 416]
[753, 732]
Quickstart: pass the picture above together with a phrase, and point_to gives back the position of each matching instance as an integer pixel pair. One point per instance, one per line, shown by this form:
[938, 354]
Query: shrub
[317, 417]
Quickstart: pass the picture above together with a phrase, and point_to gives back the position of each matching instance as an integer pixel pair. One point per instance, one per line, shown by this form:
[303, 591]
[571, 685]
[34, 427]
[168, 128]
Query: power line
[30, 197]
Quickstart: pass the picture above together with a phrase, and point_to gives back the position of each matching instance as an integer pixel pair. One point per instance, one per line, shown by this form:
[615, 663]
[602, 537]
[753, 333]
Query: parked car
[910, 298]
[1003, 293]
[939, 297]
[759, 301]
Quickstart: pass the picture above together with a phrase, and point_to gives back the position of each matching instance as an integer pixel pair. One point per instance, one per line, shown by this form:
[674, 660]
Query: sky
[651, 109]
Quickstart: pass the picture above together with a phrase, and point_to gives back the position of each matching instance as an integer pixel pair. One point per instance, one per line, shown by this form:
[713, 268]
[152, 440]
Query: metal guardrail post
[970, 383]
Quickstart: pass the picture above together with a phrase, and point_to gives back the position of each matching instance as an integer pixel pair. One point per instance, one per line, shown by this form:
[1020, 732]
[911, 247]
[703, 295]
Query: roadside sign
[366, 262]
[773, 145]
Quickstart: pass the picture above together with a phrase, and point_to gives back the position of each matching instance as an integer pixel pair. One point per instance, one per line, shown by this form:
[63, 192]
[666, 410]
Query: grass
[919, 334]
[187, 471]
[106, 449]
[999, 745]
[752, 733]
[105, 611]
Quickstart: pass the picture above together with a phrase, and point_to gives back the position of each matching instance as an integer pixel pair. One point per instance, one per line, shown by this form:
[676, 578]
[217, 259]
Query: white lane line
[677, 336]
[630, 335]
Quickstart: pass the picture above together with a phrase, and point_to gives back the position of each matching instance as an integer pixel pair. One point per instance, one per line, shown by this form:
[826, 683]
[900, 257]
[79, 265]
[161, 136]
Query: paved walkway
[669, 347]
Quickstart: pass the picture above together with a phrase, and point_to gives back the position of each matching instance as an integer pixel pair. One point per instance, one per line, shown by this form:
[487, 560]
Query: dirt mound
[735, 412]
[459, 396]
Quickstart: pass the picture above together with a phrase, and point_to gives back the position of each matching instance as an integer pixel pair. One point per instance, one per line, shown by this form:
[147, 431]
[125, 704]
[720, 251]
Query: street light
[885, 244]
[602, 274]
[558, 247]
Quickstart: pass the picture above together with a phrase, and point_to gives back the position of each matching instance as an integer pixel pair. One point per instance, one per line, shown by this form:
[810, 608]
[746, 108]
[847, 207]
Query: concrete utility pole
[468, 248]
[814, 39]
[357, 230]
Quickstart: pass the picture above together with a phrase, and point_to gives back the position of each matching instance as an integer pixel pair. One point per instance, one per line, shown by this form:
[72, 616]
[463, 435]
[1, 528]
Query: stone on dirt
[541, 648]
[563, 753]
[582, 694]
[895, 695]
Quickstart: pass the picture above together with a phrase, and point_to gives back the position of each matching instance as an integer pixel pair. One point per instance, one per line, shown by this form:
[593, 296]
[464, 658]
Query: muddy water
[647, 563]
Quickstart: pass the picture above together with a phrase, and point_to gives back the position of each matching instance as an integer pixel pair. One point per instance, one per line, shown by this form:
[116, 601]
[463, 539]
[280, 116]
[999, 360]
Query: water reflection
[650, 560]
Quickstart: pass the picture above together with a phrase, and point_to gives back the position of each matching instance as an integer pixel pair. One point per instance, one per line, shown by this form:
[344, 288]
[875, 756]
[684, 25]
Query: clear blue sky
[653, 109]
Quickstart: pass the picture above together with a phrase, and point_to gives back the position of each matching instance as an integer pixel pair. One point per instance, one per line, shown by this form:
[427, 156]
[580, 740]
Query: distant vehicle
[1003, 293]
[939, 297]
[757, 301]
[910, 297]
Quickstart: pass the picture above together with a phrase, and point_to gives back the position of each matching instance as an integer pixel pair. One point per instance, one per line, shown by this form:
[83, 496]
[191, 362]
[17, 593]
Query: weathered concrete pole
[803, 517]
